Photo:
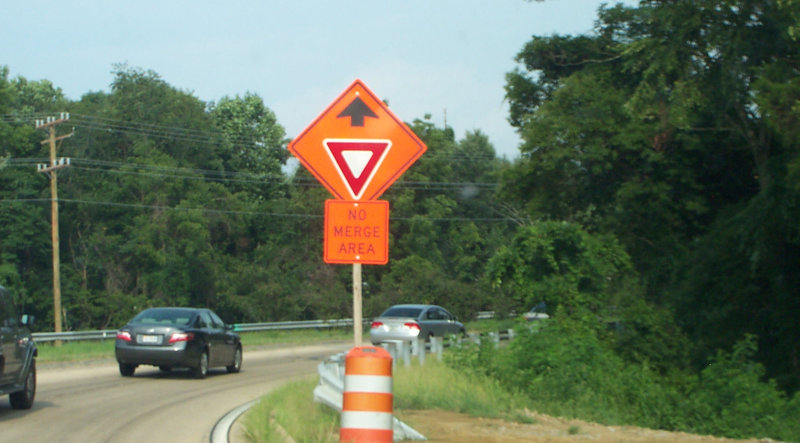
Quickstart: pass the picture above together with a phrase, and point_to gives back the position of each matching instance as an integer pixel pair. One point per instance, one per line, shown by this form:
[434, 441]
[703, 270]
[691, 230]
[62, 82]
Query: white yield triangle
[357, 161]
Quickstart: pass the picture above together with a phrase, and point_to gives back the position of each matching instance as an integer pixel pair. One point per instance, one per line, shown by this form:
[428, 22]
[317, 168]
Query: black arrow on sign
[357, 110]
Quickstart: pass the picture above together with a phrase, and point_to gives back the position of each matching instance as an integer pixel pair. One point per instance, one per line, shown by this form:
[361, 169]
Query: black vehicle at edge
[17, 354]
[171, 337]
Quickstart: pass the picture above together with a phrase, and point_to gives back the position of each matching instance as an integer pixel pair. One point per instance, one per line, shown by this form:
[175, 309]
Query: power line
[191, 135]
[161, 207]
[231, 176]
[177, 133]
[238, 212]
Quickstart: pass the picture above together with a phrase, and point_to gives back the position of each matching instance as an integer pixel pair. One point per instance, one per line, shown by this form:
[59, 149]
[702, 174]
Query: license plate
[149, 339]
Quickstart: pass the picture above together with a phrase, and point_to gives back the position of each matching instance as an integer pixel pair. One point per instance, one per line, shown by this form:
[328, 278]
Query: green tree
[673, 128]
[25, 249]
[253, 143]
[578, 275]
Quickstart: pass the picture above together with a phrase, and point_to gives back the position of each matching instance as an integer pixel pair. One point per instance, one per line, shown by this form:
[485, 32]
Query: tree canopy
[672, 128]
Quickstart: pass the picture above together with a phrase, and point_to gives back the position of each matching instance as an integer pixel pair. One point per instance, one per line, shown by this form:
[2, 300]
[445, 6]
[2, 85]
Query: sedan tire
[24, 398]
[127, 370]
[201, 369]
[236, 365]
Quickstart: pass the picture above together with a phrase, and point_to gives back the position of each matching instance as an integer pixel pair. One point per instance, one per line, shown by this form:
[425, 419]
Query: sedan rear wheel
[126, 370]
[24, 398]
[201, 369]
[236, 365]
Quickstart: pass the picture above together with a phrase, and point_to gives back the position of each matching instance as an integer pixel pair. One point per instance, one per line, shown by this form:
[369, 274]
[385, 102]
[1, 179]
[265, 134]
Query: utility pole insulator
[61, 163]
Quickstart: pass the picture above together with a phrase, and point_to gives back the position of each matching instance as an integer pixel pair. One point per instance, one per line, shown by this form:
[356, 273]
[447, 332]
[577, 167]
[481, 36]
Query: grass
[75, 351]
[283, 412]
[295, 336]
[291, 409]
[490, 325]
[422, 387]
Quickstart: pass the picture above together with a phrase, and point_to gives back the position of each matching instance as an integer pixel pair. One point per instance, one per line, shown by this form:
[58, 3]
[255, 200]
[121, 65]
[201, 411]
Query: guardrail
[287, 325]
[74, 335]
[240, 327]
[329, 391]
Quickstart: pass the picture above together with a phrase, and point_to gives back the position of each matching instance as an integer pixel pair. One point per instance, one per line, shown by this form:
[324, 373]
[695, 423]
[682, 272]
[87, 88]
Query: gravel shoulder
[444, 426]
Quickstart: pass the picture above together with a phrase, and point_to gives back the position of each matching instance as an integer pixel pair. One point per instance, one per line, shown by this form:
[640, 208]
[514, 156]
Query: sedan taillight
[376, 324]
[124, 335]
[181, 336]
[412, 325]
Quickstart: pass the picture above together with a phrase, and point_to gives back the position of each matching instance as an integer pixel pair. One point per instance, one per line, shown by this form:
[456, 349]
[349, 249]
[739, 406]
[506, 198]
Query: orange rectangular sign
[356, 232]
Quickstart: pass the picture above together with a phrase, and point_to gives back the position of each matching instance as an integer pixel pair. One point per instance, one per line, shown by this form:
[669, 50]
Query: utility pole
[50, 125]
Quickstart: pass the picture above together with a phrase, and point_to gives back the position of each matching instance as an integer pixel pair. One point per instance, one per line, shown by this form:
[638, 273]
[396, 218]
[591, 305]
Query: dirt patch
[443, 426]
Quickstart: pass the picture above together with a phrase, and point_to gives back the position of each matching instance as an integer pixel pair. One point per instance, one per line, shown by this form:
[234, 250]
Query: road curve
[92, 402]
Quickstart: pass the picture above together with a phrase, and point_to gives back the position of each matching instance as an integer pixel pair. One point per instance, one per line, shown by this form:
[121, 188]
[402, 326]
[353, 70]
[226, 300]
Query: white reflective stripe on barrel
[366, 420]
[380, 384]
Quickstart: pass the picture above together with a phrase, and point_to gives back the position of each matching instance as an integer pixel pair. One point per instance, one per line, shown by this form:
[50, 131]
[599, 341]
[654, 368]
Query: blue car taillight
[181, 336]
[124, 335]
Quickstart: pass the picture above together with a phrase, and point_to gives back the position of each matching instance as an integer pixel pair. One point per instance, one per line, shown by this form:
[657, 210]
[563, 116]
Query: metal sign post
[358, 326]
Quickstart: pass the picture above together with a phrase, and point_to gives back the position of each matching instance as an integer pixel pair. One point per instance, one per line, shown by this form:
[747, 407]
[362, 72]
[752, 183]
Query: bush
[570, 372]
[729, 398]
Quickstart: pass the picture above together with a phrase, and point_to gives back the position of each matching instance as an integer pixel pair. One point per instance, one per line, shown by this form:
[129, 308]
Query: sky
[446, 58]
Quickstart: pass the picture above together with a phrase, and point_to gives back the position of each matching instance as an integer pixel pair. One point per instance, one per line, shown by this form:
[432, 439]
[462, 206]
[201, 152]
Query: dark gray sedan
[407, 322]
[178, 338]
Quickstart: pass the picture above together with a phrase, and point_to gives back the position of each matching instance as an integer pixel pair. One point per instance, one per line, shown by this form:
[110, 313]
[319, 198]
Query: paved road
[93, 403]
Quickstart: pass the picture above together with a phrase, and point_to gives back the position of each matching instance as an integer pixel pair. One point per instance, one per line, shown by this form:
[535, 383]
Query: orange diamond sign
[357, 147]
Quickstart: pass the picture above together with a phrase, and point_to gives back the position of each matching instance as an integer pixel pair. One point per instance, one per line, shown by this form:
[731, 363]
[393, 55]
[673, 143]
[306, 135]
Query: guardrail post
[437, 345]
[399, 349]
[392, 348]
[475, 338]
[405, 350]
[367, 400]
[418, 346]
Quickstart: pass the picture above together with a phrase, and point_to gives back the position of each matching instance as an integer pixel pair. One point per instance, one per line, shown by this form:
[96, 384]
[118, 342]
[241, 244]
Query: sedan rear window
[402, 312]
[177, 317]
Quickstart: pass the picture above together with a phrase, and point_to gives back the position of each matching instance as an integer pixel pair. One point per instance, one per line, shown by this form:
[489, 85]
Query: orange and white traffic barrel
[367, 400]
